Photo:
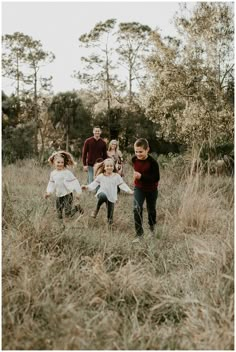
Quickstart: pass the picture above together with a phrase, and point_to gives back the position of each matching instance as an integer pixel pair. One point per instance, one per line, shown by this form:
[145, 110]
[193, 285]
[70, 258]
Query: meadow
[80, 285]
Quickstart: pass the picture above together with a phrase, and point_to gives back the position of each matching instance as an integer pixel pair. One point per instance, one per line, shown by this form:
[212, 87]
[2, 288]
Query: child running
[107, 179]
[146, 178]
[63, 182]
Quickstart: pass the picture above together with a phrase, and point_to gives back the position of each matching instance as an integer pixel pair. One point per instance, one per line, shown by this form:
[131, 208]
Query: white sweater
[108, 185]
[63, 182]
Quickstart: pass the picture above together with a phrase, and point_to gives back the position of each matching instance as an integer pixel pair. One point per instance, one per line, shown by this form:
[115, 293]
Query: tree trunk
[41, 157]
[67, 134]
[35, 113]
[130, 85]
[67, 141]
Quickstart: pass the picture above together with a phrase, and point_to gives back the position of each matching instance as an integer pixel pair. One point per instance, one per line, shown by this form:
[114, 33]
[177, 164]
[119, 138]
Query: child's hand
[84, 187]
[137, 175]
[131, 192]
[46, 195]
[77, 196]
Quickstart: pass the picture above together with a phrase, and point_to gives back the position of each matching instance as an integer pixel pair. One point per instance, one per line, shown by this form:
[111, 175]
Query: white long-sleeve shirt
[108, 185]
[63, 182]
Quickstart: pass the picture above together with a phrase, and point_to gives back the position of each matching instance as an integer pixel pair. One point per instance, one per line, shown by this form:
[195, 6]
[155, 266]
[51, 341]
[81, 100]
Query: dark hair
[142, 142]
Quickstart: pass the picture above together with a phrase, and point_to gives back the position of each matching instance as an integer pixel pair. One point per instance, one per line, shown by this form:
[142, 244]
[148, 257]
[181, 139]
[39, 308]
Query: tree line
[175, 91]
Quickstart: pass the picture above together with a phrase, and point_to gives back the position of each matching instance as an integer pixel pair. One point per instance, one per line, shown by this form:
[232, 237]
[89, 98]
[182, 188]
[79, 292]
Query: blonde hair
[100, 167]
[113, 141]
[118, 153]
[68, 158]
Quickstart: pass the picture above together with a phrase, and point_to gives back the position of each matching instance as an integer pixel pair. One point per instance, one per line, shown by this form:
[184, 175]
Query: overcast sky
[58, 25]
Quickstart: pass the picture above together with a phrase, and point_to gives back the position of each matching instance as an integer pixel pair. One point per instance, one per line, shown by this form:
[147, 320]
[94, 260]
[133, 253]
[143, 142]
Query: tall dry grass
[86, 287]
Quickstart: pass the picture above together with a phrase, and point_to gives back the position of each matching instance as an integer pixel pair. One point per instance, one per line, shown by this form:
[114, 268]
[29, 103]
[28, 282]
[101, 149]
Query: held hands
[86, 168]
[137, 175]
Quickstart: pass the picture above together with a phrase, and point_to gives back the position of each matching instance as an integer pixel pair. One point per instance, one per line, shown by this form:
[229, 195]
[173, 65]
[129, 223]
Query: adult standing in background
[115, 153]
[94, 149]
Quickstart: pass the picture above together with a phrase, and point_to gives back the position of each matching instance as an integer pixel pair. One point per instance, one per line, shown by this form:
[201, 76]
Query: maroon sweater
[149, 169]
[93, 149]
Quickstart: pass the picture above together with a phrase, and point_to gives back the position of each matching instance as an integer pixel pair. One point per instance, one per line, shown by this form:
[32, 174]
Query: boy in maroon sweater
[146, 178]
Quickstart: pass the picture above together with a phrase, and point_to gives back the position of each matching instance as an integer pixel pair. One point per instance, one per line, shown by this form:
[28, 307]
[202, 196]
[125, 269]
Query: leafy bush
[17, 142]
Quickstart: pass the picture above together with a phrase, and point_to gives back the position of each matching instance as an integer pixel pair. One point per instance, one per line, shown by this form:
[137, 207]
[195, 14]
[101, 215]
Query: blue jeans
[139, 198]
[102, 198]
[90, 174]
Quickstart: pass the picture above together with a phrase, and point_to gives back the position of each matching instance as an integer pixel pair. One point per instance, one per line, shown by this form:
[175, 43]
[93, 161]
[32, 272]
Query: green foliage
[68, 112]
[97, 71]
[17, 142]
[10, 110]
[21, 59]
[97, 32]
[126, 125]
[110, 121]
[13, 56]
[17, 135]
[133, 42]
[189, 96]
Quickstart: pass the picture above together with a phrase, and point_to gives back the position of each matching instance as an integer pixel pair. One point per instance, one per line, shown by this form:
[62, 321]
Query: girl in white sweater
[107, 179]
[63, 182]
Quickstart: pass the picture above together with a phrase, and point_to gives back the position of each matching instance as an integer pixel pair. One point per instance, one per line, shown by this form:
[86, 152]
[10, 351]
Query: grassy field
[87, 287]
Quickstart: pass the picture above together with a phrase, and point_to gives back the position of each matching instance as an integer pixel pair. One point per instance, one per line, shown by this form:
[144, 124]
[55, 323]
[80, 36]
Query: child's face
[59, 163]
[108, 167]
[141, 153]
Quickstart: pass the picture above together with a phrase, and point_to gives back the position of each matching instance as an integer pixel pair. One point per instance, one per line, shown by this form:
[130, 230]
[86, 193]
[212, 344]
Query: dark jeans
[102, 198]
[139, 198]
[64, 202]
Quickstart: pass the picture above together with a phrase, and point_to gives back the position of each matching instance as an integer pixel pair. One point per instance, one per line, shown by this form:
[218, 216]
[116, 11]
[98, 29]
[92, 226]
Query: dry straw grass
[83, 286]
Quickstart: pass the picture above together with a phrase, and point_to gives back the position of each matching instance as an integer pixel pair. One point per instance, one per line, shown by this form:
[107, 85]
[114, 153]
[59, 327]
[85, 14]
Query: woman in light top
[63, 183]
[115, 153]
[108, 180]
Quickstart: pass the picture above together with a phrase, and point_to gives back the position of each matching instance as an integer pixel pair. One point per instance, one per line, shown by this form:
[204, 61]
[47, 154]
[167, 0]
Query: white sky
[58, 25]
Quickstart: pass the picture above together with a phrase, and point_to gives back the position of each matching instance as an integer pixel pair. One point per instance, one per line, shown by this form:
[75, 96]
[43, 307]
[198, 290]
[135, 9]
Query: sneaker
[110, 227]
[152, 232]
[74, 211]
[94, 214]
[137, 239]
